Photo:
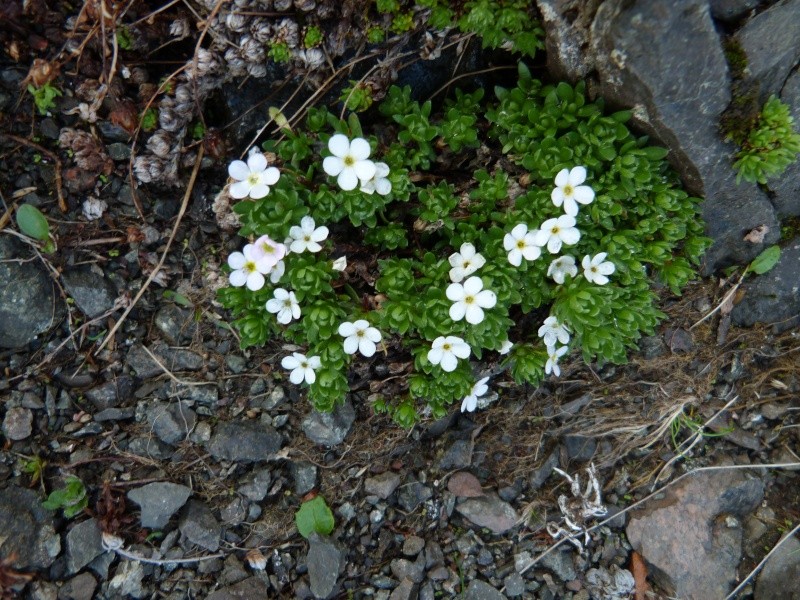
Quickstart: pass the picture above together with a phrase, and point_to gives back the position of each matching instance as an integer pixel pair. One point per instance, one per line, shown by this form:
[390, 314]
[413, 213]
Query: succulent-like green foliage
[770, 146]
[397, 246]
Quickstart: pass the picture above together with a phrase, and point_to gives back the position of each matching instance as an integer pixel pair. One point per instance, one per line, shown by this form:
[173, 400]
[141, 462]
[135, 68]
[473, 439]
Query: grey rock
[783, 567]
[18, 423]
[251, 588]
[112, 132]
[773, 297]
[84, 544]
[489, 512]
[407, 590]
[514, 584]
[172, 422]
[27, 529]
[236, 363]
[652, 347]
[80, 587]
[402, 568]
[158, 502]
[579, 447]
[93, 293]
[693, 550]
[127, 581]
[176, 324]
[457, 456]
[732, 10]
[114, 414]
[613, 584]
[541, 473]
[329, 429]
[785, 188]
[43, 590]
[324, 562]
[199, 526]
[382, 485]
[413, 545]
[111, 393]
[254, 486]
[29, 302]
[119, 151]
[769, 39]
[207, 395]
[304, 475]
[175, 359]
[412, 494]
[480, 590]
[49, 129]
[560, 564]
[150, 447]
[234, 511]
[244, 442]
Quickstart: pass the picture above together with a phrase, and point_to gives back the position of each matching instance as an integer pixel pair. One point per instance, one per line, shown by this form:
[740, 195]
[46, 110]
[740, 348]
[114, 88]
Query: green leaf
[33, 223]
[314, 515]
[766, 260]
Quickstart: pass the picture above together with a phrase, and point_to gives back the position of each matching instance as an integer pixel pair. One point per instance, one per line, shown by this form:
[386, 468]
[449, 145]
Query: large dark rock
[786, 187]
[773, 297]
[783, 567]
[329, 429]
[244, 442]
[29, 302]
[84, 544]
[159, 501]
[325, 560]
[93, 293]
[27, 529]
[667, 65]
[731, 10]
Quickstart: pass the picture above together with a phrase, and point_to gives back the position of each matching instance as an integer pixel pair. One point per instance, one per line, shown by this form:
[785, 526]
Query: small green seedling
[33, 223]
[765, 261]
[314, 516]
[72, 498]
[44, 97]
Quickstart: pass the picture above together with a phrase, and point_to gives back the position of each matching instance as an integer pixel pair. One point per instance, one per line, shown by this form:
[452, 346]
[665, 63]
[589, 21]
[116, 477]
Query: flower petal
[554, 245]
[486, 299]
[240, 189]
[347, 329]
[347, 180]
[383, 186]
[455, 292]
[474, 314]
[359, 149]
[290, 362]
[606, 268]
[570, 236]
[519, 230]
[271, 176]
[373, 335]
[577, 176]
[365, 169]
[351, 344]
[541, 237]
[258, 191]
[584, 194]
[449, 362]
[315, 362]
[236, 260]
[515, 257]
[435, 355]
[237, 278]
[319, 234]
[458, 310]
[472, 286]
[239, 170]
[339, 145]
[531, 252]
[256, 162]
[255, 281]
[367, 347]
[460, 348]
[332, 165]
[557, 196]
[570, 206]
[562, 178]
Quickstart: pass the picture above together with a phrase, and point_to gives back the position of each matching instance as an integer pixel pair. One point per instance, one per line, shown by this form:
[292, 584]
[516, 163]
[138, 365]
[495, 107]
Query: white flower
[252, 178]
[521, 243]
[560, 267]
[552, 360]
[465, 262]
[359, 336]
[350, 162]
[340, 264]
[469, 300]
[307, 236]
[379, 182]
[470, 402]
[277, 272]
[552, 330]
[268, 252]
[445, 351]
[595, 270]
[301, 367]
[506, 347]
[569, 190]
[285, 305]
[248, 269]
[554, 232]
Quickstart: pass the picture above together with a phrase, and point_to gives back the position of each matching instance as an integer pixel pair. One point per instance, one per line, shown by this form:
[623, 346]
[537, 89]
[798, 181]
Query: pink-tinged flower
[350, 162]
[555, 232]
[268, 251]
[253, 178]
[569, 190]
[445, 351]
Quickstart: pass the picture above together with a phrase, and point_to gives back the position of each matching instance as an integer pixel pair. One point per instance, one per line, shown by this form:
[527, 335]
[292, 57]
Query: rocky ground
[119, 369]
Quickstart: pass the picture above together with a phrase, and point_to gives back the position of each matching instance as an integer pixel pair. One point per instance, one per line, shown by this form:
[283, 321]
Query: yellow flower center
[253, 179]
[469, 299]
[249, 267]
[349, 161]
[446, 347]
[568, 190]
[521, 244]
[555, 229]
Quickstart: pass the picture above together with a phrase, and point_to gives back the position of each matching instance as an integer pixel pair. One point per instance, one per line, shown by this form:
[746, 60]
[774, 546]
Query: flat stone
[254, 486]
[158, 502]
[773, 297]
[402, 568]
[382, 485]
[84, 544]
[329, 429]
[175, 359]
[407, 590]
[732, 10]
[692, 549]
[127, 581]
[150, 447]
[304, 475]
[324, 561]
[489, 512]
[111, 393]
[114, 414]
[172, 422]
[80, 587]
[244, 442]
[560, 564]
[176, 324]
[610, 584]
[514, 584]
[413, 493]
[92, 292]
[413, 545]
[457, 456]
[579, 447]
[783, 567]
[785, 188]
[18, 423]
[198, 525]
[251, 588]
[29, 302]
[480, 590]
[27, 529]
[541, 473]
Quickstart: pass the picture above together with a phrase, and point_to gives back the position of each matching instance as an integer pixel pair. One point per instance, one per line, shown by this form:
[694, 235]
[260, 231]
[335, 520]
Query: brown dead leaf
[89, 153]
[465, 485]
[41, 72]
[756, 236]
[125, 115]
[639, 570]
